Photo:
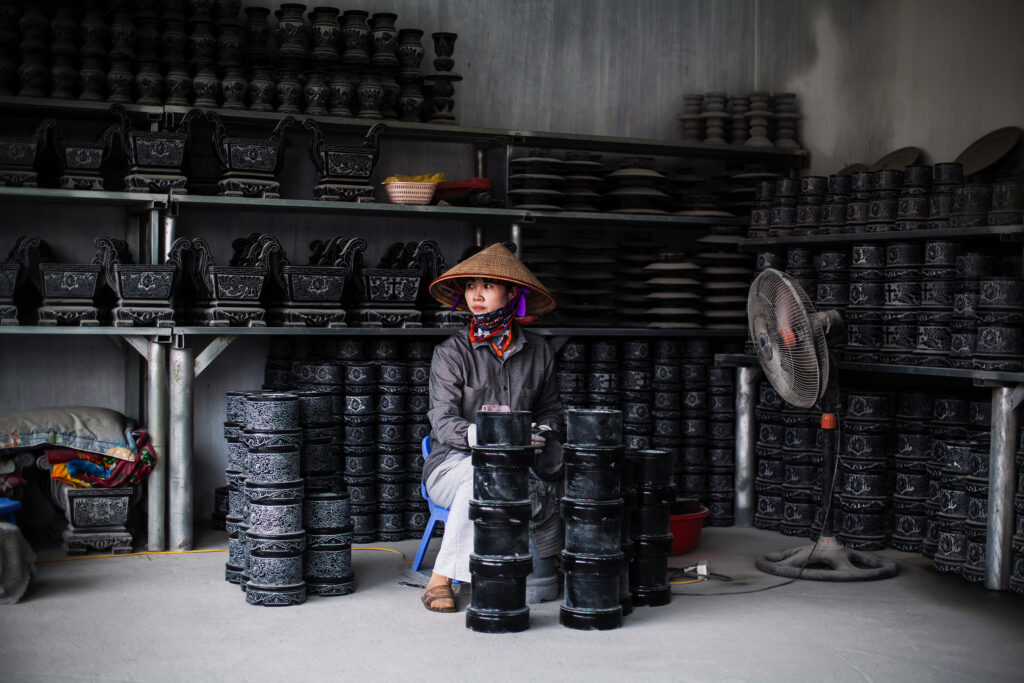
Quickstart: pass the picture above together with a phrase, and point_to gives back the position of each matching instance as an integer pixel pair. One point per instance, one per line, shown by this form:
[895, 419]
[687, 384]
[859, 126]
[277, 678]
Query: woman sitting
[494, 364]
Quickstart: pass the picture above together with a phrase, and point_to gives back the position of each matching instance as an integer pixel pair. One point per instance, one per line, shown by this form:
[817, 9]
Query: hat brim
[493, 263]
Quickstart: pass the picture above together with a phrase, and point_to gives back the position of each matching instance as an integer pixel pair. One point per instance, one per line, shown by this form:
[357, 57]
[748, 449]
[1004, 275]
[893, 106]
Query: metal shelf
[178, 203]
[41, 107]
[995, 231]
[976, 376]
[105, 331]
[444, 332]
[41, 195]
[630, 219]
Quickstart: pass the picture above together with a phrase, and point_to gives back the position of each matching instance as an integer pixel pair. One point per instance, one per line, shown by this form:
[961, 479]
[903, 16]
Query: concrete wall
[876, 75]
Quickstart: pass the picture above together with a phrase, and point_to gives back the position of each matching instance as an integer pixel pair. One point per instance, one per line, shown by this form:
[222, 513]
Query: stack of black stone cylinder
[683, 395]
[594, 512]
[1017, 573]
[910, 489]
[360, 428]
[809, 204]
[800, 267]
[321, 443]
[768, 452]
[328, 556]
[999, 344]
[392, 441]
[500, 510]
[833, 281]
[935, 319]
[865, 314]
[971, 268]
[903, 262]
[652, 536]
[274, 538]
[801, 468]
[637, 384]
[976, 484]
[947, 496]
[572, 375]
[603, 375]
[417, 403]
[865, 476]
[721, 432]
[236, 451]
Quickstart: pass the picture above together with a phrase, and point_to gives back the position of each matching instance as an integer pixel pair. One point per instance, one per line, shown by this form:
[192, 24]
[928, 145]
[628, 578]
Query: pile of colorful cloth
[82, 469]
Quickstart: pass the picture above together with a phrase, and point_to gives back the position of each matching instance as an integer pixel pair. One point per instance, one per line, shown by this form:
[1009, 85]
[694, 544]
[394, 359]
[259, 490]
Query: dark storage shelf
[42, 107]
[444, 332]
[106, 331]
[39, 195]
[629, 219]
[990, 231]
[976, 376]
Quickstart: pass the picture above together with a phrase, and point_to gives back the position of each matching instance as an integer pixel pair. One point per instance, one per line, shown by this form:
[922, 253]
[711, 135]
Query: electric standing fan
[792, 343]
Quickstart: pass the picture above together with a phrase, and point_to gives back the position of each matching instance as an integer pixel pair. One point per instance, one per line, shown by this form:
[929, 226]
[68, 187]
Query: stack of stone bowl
[673, 373]
[761, 214]
[809, 204]
[392, 442]
[976, 483]
[594, 512]
[721, 434]
[971, 268]
[910, 491]
[418, 354]
[360, 426]
[584, 181]
[914, 206]
[603, 375]
[903, 262]
[833, 281]
[884, 203]
[858, 207]
[727, 275]
[673, 297]
[652, 536]
[946, 178]
[637, 383]
[667, 411]
[328, 557]
[636, 188]
[801, 469]
[935, 317]
[536, 181]
[999, 344]
[274, 538]
[571, 375]
[783, 216]
[949, 425]
[833, 211]
[768, 451]
[971, 205]
[587, 275]
[865, 478]
[1007, 199]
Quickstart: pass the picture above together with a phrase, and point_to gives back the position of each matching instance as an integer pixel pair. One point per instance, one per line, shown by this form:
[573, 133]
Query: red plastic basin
[686, 530]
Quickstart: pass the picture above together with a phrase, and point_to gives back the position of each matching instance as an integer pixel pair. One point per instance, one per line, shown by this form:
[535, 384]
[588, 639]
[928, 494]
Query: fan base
[827, 560]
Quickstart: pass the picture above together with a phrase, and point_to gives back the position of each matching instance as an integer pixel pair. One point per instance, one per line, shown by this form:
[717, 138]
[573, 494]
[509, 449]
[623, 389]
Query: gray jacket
[465, 376]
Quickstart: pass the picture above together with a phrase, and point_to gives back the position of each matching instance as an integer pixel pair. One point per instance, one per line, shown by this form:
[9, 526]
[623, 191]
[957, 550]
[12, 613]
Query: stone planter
[344, 170]
[97, 519]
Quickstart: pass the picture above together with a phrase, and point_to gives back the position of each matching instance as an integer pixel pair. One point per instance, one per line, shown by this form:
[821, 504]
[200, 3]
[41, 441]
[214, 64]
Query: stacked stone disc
[865, 476]
[935, 317]
[864, 316]
[649, 525]
[593, 510]
[801, 468]
[669, 408]
[417, 403]
[976, 484]
[910, 491]
[1017, 573]
[721, 431]
[999, 344]
[971, 268]
[500, 510]
[637, 383]
[392, 440]
[670, 393]
[272, 526]
[768, 451]
[360, 428]
[946, 177]
[572, 375]
[236, 451]
[947, 495]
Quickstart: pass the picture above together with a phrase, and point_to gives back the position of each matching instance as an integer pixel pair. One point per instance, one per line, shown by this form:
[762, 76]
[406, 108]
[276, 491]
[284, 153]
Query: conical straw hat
[498, 263]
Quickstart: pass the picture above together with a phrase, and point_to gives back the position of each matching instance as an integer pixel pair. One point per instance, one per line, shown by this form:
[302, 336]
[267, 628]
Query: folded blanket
[83, 469]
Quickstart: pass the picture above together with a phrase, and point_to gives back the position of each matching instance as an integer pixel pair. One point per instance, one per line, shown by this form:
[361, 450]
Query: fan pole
[828, 440]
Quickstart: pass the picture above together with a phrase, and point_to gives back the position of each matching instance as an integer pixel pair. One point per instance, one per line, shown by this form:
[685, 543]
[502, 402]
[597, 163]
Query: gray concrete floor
[172, 617]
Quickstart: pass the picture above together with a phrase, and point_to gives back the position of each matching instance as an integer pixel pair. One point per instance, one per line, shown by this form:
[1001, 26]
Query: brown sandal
[432, 595]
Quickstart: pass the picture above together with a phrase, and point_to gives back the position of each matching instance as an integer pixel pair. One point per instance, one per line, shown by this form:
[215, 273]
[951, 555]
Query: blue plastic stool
[8, 507]
[437, 514]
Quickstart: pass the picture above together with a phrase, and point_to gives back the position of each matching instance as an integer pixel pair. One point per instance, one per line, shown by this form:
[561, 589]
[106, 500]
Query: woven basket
[410, 193]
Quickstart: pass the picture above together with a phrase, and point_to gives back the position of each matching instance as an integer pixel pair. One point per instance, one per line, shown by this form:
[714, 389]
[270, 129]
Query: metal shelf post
[746, 422]
[179, 449]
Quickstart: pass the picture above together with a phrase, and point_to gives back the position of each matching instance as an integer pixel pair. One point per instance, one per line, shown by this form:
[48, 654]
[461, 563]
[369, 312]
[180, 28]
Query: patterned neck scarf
[496, 326]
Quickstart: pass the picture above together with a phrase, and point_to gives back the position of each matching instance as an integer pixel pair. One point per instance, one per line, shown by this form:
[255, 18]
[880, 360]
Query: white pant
[452, 487]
